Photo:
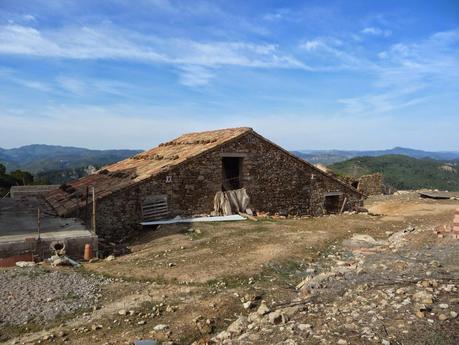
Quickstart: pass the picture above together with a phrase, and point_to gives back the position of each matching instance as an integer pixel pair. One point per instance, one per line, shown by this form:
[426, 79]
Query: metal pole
[38, 223]
[94, 210]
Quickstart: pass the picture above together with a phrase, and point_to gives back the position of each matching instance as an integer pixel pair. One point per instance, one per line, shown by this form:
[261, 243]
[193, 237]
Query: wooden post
[38, 223]
[94, 210]
[86, 211]
[344, 204]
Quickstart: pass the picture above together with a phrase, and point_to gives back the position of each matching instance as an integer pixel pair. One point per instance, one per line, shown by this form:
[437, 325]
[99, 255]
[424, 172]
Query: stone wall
[276, 182]
[372, 184]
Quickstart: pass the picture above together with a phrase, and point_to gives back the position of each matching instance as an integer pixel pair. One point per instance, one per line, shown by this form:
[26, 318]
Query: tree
[22, 177]
[2, 169]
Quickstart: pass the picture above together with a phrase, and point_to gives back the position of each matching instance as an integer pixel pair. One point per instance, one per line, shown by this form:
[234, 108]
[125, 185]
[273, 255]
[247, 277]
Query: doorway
[332, 203]
[231, 173]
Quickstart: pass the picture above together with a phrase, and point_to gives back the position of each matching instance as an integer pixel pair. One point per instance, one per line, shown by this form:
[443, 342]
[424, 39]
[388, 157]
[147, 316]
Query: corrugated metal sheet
[142, 166]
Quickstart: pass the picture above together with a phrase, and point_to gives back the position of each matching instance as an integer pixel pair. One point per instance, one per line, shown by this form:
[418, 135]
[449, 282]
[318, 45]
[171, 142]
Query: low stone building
[34, 192]
[181, 177]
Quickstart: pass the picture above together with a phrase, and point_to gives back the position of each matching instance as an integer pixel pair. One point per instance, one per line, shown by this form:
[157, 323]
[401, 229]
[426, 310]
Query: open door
[231, 173]
[332, 202]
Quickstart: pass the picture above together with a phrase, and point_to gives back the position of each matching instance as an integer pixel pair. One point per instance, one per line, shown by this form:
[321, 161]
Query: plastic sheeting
[231, 202]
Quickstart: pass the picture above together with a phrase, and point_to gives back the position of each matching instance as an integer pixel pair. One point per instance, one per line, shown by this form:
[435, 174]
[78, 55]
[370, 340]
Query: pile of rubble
[46, 296]
[367, 292]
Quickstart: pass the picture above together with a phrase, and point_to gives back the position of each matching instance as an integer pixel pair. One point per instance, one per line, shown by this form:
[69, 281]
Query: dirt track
[194, 281]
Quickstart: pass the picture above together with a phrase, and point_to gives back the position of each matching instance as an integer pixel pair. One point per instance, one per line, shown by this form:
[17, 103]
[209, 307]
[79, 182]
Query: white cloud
[332, 54]
[109, 42]
[72, 85]
[311, 45]
[195, 75]
[11, 76]
[28, 18]
[407, 71]
[374, 31]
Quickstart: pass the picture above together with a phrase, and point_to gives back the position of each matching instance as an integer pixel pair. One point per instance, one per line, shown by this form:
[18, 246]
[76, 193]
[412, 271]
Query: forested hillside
[403, 172]
[42, 158]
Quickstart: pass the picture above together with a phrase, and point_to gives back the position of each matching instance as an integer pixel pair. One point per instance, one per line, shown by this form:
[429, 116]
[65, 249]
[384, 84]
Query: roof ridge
[215, 131]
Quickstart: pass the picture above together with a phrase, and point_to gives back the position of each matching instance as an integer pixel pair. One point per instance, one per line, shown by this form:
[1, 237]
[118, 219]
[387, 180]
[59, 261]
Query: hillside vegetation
[403, 172]
[42, 158]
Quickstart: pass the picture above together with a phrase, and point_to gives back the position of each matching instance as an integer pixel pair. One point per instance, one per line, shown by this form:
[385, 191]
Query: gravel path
[35, 294]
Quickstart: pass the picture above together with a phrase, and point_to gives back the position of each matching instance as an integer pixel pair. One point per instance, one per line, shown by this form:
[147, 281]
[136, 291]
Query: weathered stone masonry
[276, 182]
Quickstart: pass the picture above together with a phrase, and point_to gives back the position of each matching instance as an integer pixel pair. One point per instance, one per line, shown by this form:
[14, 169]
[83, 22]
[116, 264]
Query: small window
[155, 207]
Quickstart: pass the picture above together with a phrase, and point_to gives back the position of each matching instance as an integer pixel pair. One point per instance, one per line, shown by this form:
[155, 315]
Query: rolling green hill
[403, 172]
[42, 158]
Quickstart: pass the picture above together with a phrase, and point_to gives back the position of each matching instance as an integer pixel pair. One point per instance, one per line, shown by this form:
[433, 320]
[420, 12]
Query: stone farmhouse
[182, 177]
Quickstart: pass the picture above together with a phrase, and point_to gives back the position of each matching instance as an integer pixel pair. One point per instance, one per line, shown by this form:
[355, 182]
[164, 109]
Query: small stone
[420, 314]
[453, 314]
[238, 326]
[96, 327]
[247, 305]
[172, 264]
[385, 342]
[442, 317]
[122, 312]
[276, 317]
[342, 342]
[110, 258]
[142, 322]
[160, 327]
[304, 327]
[263, 309]
[61, 334]
[443, 306]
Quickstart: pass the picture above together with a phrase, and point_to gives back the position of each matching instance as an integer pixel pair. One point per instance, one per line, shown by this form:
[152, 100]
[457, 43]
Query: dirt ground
[187, 283]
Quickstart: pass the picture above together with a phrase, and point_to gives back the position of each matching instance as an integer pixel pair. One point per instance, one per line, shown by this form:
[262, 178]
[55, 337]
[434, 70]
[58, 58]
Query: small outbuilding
[182, 177]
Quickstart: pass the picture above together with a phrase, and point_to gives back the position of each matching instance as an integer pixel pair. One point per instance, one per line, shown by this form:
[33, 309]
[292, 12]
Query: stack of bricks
[444, 230]
[455, 231]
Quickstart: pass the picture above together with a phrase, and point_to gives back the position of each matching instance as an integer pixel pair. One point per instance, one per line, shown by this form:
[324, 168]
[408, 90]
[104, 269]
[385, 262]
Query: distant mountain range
[327, 157]
[42, 158]
[60, 164]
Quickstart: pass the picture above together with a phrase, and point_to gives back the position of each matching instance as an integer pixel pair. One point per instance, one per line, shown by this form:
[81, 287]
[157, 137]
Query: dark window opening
[355, 184]
[231, 170]
[332, 203]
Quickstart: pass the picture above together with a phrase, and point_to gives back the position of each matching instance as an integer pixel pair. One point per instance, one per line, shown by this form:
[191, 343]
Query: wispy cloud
[375, 31]
[73, 85]
[113, 43]
[331, 54]
[193, 75]
[407, 70]
[11, 76]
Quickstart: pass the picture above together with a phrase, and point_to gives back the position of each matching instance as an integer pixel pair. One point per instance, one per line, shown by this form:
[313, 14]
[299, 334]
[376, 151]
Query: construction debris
[179, 219]
[25, 263]
[435, 195]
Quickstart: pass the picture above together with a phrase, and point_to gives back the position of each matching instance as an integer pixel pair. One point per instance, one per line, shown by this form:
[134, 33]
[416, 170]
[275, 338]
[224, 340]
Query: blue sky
[306, 74]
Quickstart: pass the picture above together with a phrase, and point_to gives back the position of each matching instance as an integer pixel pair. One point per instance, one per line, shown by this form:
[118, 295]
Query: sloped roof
[142, 166]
